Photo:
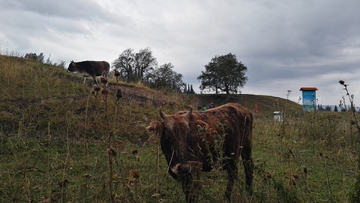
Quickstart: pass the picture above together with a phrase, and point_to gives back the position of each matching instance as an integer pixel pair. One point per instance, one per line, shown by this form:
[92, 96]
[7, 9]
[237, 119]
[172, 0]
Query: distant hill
[266, 105]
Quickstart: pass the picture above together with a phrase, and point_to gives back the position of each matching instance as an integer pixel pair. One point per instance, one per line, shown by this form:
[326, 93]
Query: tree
[144, 62]
[133, 66]
[192, 90]
[125, 64]
[320, 107]
[35, 57]
[328, 108]
[223, 73]
[336, 109]
[189, 89]
[165, 78]
[40, 58]
[185, 90]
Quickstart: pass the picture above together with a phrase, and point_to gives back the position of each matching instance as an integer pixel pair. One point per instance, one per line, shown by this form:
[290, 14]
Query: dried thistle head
[343, 83]
[134, 151]
[104, 91]
[96, 88]
[268, 175]
[117, 73]
[111, 152]
[305, 170]
[135, 174]
[63, 183]
[119, 93]
[103, 80]
[87, 176]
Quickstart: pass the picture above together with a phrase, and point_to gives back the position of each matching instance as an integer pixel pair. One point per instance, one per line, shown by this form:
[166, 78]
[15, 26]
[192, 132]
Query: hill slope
[45, 100]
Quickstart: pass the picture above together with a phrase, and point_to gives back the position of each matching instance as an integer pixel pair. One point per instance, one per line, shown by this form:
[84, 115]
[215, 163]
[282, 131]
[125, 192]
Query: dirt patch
[142, 96]
[130, 96]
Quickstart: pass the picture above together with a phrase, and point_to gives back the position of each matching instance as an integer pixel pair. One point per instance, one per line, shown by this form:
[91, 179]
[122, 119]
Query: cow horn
[162, 114]
[188, 114]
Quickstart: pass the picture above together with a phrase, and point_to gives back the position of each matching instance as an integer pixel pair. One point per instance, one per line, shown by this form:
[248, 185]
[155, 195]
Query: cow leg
[232, 175]
[84, 78]
[95, 80]
[248, 167]
[190, 193]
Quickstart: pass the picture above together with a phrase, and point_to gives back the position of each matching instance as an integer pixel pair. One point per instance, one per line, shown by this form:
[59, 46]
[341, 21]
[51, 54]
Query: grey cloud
[76, 9]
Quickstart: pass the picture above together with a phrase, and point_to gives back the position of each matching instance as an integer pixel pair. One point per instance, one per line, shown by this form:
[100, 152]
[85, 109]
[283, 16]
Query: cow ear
[155, 128]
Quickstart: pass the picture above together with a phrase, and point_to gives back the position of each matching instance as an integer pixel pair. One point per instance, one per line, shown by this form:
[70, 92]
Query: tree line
[41, 58]
[222, 74]
[337, 108]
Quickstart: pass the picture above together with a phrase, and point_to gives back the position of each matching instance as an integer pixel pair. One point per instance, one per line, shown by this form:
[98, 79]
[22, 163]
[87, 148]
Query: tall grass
[87, 147]
[292, 166]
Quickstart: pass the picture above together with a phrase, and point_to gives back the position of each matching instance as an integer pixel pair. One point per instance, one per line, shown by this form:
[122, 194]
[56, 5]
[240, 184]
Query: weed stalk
[355, 194]
[352, 109]
[111, 151]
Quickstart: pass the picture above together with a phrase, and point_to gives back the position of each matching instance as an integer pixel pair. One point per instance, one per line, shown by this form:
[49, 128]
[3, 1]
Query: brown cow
[205, 137]
[90, 68]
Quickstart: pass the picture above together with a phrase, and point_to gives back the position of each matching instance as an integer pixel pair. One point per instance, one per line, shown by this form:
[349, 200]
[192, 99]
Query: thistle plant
[355, 194]
[96, 90]
[104, 81]
[117, 75]
[351, 97]
[352, 106]
[119, 94]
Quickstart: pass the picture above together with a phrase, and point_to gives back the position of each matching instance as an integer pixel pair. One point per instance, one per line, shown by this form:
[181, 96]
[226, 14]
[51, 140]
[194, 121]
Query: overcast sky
[285, 44]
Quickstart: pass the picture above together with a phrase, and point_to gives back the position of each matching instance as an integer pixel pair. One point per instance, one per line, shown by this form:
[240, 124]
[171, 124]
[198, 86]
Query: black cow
[90, 68]
[203, 138]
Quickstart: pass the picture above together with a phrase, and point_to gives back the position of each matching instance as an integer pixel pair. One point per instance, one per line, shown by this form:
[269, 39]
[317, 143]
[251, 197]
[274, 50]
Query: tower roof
[308, 88]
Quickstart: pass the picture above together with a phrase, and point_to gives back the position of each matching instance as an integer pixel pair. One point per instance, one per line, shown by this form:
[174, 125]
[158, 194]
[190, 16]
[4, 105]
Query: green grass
[22, 79]
[55, 135]
[32, 169]
[330, 168]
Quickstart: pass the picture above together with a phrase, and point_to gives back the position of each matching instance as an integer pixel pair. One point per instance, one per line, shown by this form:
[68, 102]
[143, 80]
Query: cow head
[175, 134]
[72, 67]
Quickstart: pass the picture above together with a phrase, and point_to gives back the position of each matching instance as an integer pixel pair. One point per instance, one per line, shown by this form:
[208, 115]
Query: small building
[309, 98]
[278, 116]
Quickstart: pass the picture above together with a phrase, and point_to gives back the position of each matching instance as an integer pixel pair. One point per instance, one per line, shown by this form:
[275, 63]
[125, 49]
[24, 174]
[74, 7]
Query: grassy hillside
[61, 141]
[266, 105]
[37, 96]
[40, 97]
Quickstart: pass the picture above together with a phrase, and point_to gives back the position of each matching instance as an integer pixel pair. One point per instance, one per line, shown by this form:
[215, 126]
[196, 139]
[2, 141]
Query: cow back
[93, 68]
[231, 121]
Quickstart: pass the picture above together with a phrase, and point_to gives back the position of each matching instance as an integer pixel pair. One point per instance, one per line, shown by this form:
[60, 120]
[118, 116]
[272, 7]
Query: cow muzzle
[179, 169]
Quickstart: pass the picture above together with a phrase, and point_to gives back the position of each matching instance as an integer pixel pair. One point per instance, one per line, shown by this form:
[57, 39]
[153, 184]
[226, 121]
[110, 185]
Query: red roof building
[309, 98]
[308, 89]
